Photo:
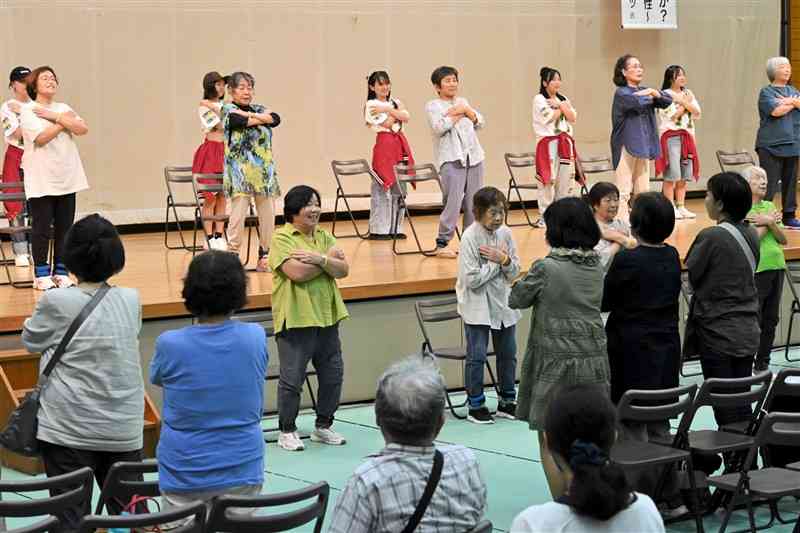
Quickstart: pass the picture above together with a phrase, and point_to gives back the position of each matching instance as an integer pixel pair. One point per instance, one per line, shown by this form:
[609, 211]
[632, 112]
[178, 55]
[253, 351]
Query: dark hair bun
[543, 71]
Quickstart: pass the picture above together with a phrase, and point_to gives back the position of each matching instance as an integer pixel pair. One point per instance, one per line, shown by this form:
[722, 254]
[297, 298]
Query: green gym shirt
[771, 251]
[313, 303]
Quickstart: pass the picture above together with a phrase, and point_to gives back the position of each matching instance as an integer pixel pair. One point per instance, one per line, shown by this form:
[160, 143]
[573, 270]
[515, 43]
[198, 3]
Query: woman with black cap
[209, 157]
[12, 163]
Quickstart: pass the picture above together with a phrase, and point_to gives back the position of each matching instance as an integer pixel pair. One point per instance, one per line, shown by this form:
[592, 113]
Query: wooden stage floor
[375, 272]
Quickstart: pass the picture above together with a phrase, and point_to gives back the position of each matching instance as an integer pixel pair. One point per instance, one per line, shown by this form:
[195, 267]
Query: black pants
[723, 366]
[62, 460]
[770, 288]
[783, 169]
[56, 211]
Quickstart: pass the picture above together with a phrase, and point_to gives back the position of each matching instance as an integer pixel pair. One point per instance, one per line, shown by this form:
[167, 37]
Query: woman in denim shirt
[634, 135]
[778, 137]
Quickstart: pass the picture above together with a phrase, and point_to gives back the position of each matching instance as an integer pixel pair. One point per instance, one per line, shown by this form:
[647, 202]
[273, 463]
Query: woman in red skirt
[385, 116]
[12, 163]
[208, 158]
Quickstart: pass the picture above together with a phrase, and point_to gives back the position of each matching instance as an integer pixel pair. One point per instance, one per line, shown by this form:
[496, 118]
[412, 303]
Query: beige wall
[133, 70]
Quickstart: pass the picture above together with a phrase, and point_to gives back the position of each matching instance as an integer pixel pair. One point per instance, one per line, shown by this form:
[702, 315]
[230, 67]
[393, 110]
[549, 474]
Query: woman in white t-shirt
[553, 118]
[53, 173]
[579, 430]
[679, 160]
[210, 156]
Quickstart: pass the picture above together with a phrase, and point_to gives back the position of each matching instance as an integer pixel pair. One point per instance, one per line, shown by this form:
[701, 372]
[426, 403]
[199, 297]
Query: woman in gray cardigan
[92, 407]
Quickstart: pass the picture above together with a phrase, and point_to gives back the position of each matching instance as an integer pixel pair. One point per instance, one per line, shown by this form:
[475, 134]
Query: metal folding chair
[585, 166]
[521, 162]
[8, 194]
[341, 170]
[175, 178]
[735, 160]
[792, 273]
[200, 190]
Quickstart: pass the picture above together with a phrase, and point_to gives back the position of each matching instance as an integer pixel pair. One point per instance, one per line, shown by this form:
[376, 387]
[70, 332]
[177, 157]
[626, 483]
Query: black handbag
[19, 435]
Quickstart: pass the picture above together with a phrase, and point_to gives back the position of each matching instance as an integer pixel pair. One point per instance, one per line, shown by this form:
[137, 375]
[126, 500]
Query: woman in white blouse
[53, 173]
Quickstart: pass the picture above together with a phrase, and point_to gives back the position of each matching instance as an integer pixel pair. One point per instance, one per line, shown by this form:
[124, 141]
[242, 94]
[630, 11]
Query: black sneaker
[760, 366]
[379, 237]
[480, 416]
[399, 236]
[507, 410]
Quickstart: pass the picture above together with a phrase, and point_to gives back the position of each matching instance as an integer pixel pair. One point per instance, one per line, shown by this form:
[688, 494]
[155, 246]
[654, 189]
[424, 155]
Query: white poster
[649, 14]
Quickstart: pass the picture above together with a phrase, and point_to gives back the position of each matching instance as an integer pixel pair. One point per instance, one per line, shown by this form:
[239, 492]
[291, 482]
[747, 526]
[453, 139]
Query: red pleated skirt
[209, 158]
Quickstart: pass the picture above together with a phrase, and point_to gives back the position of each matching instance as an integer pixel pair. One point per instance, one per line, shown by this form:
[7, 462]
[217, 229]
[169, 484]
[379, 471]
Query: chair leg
[4, 261]
[697, 512]
[179, 227]
[420, 249]
[789, 337]
[512, 184]
[358, 233]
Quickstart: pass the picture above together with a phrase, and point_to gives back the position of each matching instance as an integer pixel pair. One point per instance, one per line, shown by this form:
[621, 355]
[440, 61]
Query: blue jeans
[505, 347]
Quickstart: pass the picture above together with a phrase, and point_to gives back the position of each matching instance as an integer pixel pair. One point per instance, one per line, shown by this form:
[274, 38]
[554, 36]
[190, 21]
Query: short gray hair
[235, 78]
[751, 170]
[772, 65]
[409, 403]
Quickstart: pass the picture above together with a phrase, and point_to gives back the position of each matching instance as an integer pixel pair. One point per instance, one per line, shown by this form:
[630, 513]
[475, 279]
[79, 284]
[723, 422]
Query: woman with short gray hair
[778, 137]
[383, 492]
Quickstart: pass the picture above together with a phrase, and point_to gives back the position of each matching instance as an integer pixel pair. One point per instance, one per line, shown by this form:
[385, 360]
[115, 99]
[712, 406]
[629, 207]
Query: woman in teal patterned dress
[249, 167]
[567, 341]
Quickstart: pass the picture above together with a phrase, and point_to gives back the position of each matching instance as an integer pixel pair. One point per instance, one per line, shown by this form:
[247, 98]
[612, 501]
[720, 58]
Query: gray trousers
[296, 347]
[459, 184]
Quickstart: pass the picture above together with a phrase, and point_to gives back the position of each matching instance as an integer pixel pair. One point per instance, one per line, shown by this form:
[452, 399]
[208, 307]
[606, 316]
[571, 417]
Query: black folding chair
[792, 273]
[438, 311]
[223, 522]
[175, 179]
[196, 511]
[343, 170]
[9, 194]
[643, 406]
[200, 190]
[687, 293]
[734, 160]
[413, 176]
[529, 182]
[771, 483]
[76, 490]
[125, 480]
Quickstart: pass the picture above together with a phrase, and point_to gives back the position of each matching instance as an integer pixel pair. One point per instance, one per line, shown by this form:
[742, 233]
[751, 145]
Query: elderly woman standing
[53, 173]
[91, 411]
[778, 137]
[249, 167]
[383, 492]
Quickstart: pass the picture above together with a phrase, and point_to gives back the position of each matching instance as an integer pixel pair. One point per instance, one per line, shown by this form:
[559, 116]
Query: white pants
[633, 176]
[240, 208]
[562, 180]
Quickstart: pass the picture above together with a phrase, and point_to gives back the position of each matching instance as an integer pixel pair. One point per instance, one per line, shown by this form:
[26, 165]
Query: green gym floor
[507, 451]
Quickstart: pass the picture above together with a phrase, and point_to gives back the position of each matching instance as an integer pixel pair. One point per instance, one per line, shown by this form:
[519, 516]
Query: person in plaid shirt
[383, 492]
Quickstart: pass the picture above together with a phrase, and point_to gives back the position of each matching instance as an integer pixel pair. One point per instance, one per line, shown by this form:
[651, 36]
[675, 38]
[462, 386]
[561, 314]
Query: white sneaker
[327, 436]
[678, 213]
[220, 244]
[22, 260]
[290, 442]
[62, 282]
[44, 283]
[686, 213]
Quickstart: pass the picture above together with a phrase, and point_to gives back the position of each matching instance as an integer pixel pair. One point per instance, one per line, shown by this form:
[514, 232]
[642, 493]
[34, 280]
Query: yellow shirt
[313, 303]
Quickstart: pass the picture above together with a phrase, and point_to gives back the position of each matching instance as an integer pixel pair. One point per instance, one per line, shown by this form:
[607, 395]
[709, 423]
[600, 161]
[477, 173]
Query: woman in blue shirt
[634, 134]
[778, 137]
[212, 374]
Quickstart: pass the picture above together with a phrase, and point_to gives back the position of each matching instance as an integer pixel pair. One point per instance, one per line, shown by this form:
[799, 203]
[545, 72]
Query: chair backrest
[223, 522]
[484, 526]
[736, 160]
[257, 317]
[595, 164]
[521, 162]
[785, 385]
[734, 392]
[197, 510]
[433, 311]
[77, 487]
[778, 429]
[177, 174]
[352, 167]
[125, 480]
[793, 279]
[416, 174]
[210, 187]
[48, 525]
[657, 405]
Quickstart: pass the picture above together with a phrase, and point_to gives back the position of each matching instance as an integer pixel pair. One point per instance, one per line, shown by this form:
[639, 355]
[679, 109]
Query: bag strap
[77, 323]
[751, 259]
[433, 482]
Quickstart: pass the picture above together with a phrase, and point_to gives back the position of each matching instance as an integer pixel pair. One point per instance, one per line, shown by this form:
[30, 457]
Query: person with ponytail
[679, 161]
[385, 116]
[91, 411]
[209, 158]
[594, 495]
[553, 118]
